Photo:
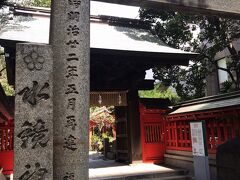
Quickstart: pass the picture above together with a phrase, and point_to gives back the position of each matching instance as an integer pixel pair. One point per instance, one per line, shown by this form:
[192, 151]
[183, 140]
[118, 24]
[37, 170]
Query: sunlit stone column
[33, 123]
[70, 40]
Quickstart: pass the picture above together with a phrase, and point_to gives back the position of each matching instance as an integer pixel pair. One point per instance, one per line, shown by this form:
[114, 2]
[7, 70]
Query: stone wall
[184, 159]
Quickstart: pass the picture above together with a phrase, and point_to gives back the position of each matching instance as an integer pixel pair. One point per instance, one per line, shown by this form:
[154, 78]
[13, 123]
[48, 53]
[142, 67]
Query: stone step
[174, 175]
[180, 177]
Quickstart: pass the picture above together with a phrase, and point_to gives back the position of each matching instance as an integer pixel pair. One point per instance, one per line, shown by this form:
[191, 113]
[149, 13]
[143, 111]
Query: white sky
[99, 8]
[149, 74]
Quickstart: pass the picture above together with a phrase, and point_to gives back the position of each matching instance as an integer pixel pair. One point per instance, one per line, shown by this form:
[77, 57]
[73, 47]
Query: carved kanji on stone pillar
[33, 132]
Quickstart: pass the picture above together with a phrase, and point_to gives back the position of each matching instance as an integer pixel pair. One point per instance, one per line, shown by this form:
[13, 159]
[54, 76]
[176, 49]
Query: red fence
[6, 137]
[153, 133]
[178, 135]
[6, 148]
[219, 129]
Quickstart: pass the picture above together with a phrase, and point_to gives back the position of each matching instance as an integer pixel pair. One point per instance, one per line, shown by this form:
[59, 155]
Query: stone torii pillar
[70, 41]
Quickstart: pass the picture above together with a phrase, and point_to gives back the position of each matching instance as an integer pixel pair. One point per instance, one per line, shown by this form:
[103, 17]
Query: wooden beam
[146, 85]
[10, 64]
[214, 7]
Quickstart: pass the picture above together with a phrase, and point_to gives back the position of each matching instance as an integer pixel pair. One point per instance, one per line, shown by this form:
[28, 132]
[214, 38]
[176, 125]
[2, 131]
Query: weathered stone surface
[70, 39]
[33, 132]
[216, 7]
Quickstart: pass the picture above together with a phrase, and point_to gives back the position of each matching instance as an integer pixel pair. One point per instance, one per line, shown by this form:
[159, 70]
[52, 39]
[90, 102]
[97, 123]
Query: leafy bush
[97, 141]
[160, 92]
[227, 86]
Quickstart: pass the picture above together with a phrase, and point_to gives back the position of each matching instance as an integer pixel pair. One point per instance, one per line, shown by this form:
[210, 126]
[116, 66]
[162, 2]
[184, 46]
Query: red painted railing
[178, 135]
[219, 130]
[6, 148]
[6, 137]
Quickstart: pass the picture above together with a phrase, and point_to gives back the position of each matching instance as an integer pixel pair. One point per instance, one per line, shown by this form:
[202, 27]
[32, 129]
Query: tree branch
[229, 72]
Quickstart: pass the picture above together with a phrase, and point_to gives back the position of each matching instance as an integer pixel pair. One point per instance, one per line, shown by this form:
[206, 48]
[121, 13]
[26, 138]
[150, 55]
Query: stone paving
[125, 170]
[101, 169]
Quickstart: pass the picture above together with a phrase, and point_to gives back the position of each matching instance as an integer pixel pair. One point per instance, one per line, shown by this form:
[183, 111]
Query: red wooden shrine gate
[6, 139]
[6, 147]
[152, 134]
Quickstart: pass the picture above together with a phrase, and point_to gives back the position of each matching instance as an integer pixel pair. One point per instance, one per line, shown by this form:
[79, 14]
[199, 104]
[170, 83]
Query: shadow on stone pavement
[97, 160]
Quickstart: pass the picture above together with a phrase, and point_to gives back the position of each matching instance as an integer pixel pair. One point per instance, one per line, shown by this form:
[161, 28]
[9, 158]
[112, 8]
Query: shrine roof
[208, 103]
[107, 33]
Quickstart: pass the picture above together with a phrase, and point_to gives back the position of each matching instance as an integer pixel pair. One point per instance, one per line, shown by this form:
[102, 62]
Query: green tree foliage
[4, 20]
[177, 30]
[9, 91]
[160, 92]
[4, 17]
[102, 116]
[37, 3]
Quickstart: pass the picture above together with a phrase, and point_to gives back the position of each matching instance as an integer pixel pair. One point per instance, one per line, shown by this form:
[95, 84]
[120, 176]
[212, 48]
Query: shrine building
[121, 51]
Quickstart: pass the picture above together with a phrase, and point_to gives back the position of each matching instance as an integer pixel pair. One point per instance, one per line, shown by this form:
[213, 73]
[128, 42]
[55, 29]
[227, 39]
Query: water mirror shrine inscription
[34, 134]
[33, 146]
